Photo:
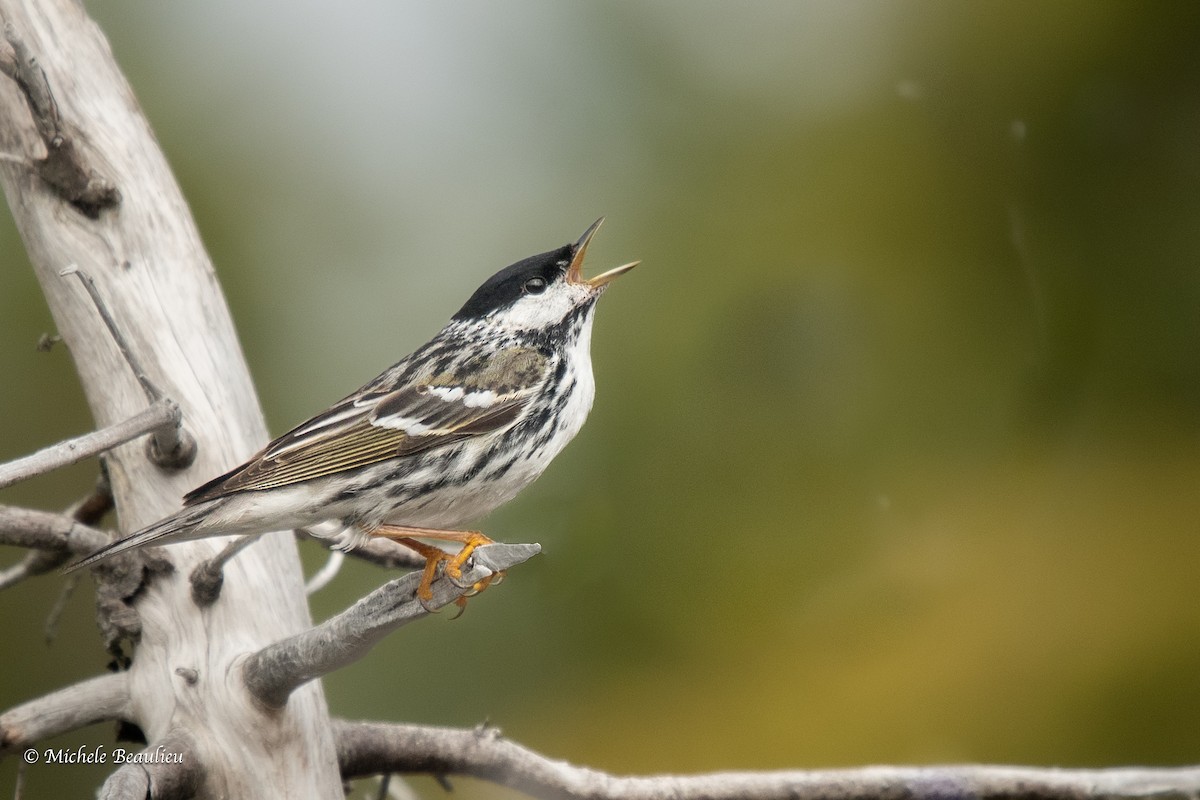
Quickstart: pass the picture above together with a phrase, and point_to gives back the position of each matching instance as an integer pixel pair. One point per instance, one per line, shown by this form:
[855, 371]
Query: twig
[64, 167]
[95, 700]
[50, 629]
[35, 562]
[376, 550]
[170, 770]
[72, 451]
[369, 748]
[274, 672]
[171, 446]
[322, 577]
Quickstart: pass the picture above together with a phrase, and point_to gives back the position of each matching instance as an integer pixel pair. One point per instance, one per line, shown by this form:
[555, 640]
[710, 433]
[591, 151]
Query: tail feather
[179, 527]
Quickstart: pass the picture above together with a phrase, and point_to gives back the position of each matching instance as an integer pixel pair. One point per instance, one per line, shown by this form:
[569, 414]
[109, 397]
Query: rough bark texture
[150, 267]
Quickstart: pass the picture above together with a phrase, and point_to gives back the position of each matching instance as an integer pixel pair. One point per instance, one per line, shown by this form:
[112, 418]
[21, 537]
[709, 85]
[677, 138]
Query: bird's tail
[179, 527]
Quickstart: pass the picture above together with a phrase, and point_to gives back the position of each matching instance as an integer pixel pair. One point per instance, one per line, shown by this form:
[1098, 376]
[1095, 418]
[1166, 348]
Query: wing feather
[373, 426]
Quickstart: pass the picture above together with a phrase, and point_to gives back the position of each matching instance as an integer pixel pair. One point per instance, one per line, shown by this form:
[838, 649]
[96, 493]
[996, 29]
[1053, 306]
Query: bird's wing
[384, 421]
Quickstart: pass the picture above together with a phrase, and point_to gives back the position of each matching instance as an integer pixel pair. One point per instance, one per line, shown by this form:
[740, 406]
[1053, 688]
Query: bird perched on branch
[442, 438]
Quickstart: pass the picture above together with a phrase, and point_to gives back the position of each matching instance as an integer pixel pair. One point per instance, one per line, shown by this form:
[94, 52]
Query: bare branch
[162, 413]
[325, 575]
[95, 700]
[376, 550]
[209, 576]
[171, 446]
[371, 748]
[44, 530]
[168, 771]
[85, 512]
[274, 672]
[35, 562]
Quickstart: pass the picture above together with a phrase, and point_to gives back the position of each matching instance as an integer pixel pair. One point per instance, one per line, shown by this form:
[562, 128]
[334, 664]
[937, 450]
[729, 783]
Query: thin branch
[376, 550]
[44, 530]
[86, 703]
[72, 451]
[171, 446]
[274, 672]
[40, 560]
[50, 628]
[170, 770]
[325, 575]
[370, 748]
[35, 562]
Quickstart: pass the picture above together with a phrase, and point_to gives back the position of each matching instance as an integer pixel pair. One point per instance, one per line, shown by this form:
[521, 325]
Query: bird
[435, 442]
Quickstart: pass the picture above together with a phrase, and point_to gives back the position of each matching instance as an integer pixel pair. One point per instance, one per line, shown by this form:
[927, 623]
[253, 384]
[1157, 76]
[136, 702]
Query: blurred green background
[894, 453]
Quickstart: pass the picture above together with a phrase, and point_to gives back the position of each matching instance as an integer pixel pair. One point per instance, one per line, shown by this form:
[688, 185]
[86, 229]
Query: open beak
[575, 270]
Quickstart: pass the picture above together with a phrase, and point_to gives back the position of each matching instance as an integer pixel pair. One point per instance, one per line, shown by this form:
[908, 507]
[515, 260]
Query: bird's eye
[535, 285]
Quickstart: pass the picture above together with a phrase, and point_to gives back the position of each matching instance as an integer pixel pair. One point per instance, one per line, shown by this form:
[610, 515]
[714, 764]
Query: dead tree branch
[157, 416]
[372, 748]
[171, 446]
[274, 672]
[45, 530]
[96, 700]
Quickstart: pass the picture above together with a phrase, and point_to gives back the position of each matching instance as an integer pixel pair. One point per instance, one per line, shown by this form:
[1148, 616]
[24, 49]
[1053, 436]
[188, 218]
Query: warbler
[440, 439]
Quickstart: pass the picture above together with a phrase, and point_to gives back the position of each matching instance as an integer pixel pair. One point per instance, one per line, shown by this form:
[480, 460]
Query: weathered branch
[168, 771]
[371, 748]
[171, 446]
[325, 575]
[35, 562]
[40, 560]
[376, 550]
[274, 672]
[45, 530]
[209, 576]
[63, 168]
[95, 700]
[158, 415]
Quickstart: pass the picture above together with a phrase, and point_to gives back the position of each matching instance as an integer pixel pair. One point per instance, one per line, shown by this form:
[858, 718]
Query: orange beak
[575, 270]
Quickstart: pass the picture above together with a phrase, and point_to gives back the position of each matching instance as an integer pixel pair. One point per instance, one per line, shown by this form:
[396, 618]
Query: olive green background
[894, 453]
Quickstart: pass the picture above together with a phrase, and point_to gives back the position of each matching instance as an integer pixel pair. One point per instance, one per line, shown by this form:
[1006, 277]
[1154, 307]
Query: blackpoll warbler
[437, 441]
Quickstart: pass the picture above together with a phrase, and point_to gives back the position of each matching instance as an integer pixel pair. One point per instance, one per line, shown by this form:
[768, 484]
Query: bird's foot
[434, 556]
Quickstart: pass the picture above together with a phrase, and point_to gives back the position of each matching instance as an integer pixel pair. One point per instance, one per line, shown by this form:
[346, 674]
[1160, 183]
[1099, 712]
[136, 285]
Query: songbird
[436, 441]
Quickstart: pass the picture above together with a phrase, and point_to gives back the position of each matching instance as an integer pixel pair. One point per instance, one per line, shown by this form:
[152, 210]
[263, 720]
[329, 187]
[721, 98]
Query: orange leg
[436, 555]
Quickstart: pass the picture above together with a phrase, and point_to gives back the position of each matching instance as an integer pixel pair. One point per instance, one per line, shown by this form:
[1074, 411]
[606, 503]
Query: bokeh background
[894, 454]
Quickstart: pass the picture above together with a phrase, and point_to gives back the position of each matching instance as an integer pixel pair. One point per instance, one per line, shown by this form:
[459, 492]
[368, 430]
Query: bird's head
[541, 291]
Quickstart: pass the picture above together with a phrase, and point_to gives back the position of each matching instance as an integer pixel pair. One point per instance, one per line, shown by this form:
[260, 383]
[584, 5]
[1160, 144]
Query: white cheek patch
[538, 311]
